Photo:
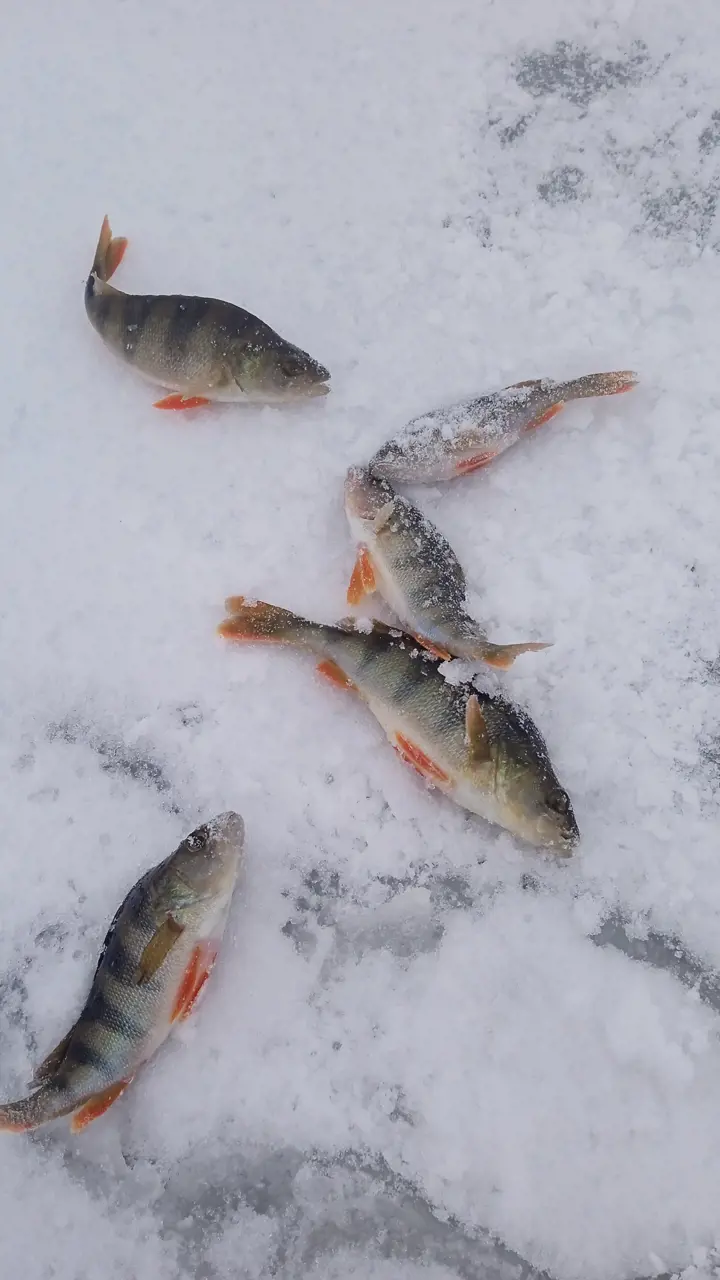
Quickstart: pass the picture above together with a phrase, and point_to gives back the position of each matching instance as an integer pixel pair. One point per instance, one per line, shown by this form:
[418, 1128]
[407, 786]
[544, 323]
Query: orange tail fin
[257, 621]
[109, 252]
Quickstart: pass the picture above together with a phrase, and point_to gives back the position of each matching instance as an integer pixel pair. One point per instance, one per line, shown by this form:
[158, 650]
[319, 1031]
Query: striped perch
[156, 958]
[413, 567]
[201, 349]
[464, 437]
[483, 752]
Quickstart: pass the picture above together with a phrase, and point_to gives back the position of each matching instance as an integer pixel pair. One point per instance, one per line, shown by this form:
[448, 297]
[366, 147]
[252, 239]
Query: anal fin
[435, 649]
[552, 412]
[335, 674]
[468, 465]
[97, 1105]
[420, 762]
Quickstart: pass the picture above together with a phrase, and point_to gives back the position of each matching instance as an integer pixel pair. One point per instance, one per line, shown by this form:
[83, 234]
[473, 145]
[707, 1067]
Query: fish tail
[46, 1104]
[254, 620]
[502, 655]
[598, 384]
[108, 255]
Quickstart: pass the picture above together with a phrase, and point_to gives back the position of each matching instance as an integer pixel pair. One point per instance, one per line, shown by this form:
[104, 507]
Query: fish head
[538, 809]
[420, 453]
[531, 802]
[206, 864]
[275, 370]
[366, 496]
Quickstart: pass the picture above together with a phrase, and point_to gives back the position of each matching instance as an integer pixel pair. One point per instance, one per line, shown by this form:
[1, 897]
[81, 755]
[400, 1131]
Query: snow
[417, 1033]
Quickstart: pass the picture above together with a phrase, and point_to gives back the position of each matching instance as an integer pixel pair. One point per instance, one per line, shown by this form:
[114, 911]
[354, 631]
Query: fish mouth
[364, 494]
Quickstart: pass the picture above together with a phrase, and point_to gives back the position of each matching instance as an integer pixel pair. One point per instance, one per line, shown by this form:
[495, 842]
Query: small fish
[201, 349]
[156, 958]
[404, 557]
[483, 752]
[464, 437]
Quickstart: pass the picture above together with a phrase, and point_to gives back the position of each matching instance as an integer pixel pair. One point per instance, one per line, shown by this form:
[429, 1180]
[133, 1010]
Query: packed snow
[418, 1055]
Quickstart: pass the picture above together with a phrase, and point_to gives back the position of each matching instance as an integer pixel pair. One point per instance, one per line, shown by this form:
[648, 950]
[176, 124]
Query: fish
[405, 558]
[464, 437]
[477, 748]
[155, 961]
[200, 349]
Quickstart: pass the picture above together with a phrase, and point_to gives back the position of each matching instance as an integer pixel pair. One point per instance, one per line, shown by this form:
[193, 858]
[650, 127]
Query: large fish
[454, 441]
[483, 752]
[404, 557]
[201, 349]
[156, 958]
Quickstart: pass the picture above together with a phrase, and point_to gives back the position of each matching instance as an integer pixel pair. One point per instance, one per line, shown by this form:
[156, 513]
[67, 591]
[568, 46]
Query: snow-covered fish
[155, 960]
[201, 349]
[483, 752]
[409, 562]
[454, 441]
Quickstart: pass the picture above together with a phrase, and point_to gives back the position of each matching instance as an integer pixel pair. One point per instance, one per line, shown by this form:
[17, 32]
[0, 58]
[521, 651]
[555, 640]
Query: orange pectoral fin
[335, 674]
[97, 1105]
[467, 465]
[552, 412]
[362, 583]
[196, 975]
[420, 762]
[179, 401]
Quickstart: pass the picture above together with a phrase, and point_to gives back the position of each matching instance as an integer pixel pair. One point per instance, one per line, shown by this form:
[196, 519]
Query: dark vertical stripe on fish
[81, 1054]
[136, 309]
[118, 961]
[186, 317]
[101, 1009]
[101, 309]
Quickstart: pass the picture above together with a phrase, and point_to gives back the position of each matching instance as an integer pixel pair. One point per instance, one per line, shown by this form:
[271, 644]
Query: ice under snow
[425, 1052]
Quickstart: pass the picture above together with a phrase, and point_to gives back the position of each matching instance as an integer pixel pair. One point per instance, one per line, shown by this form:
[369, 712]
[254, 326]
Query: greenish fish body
[201, 348]
[464, 437]
[483, 752]
[157, 955]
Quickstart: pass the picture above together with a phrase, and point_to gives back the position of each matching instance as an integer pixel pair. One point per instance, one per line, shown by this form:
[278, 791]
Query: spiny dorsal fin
[159, 946]
[53, 1062]
[476, 730]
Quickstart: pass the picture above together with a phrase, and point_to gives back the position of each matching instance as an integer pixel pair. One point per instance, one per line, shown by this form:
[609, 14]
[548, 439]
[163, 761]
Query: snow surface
[412, 1038]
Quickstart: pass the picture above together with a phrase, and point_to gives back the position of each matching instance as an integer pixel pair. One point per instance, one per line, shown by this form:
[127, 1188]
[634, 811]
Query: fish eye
[196, 841]
[558, 801]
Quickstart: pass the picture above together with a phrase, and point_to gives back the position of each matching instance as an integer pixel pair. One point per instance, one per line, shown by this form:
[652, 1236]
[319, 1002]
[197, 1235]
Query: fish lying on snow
[479, 749]
[404, 557]
[460, 439]
[155, 960]
[199, 348]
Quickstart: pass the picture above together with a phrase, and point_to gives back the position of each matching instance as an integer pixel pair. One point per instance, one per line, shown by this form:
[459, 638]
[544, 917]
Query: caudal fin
[109, 252]
[39, 1108]
[255, 621]
[598, 384]
[503, 655]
